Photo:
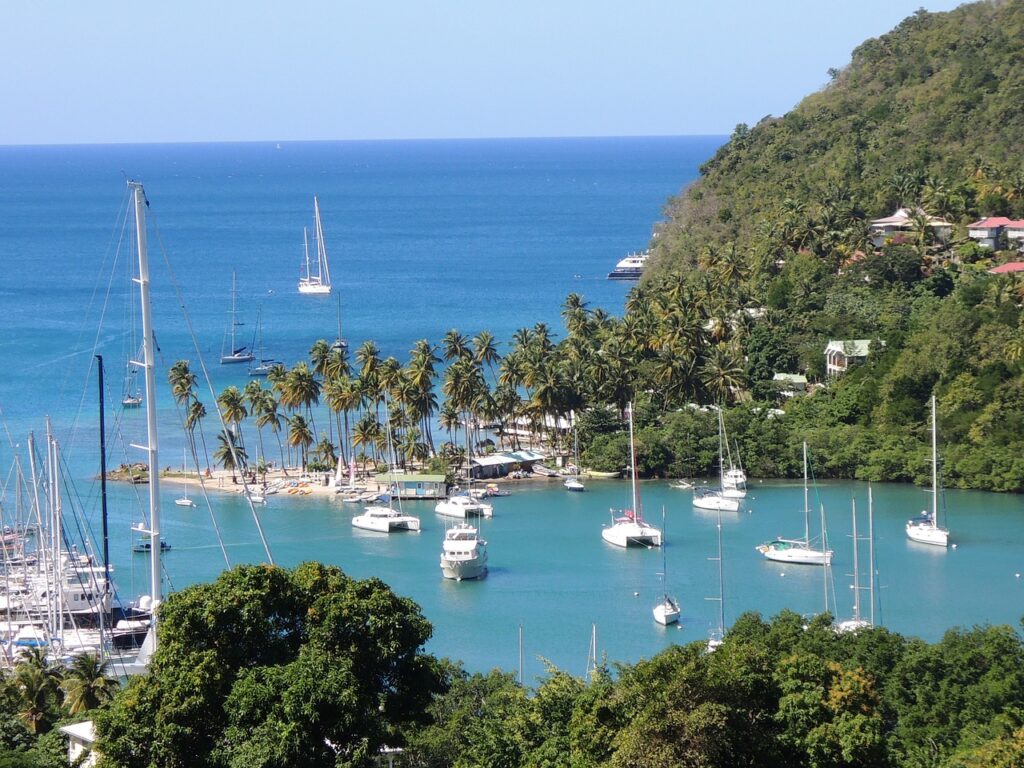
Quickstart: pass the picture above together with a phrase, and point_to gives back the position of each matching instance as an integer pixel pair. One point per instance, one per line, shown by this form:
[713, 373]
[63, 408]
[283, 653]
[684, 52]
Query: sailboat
[319, 282]
[233, 352]
[858, 621]
[385, 519]
[184, 500]
[734, 479]
[798, 550]
[717, 636]
[629, 528]
[340, 344]
[667, 611]
[709, 498]
[265, 365]
[573, 482]
[925, 528]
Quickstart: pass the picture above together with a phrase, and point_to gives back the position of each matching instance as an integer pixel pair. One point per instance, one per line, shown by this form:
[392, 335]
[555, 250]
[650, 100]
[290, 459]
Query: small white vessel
[925, 528]
[708, 498]
[184, 500]
[631, 267]
[574, 484]
[318, 283]
[463, 506]
[628, 527]
[681, 484]
[385, 520]
[542, 471]
[667, 611]
[231, 351]
[265, 364]
[463, 553]
[858, 621]
[717, 635]
[799, 551]
[720, 500]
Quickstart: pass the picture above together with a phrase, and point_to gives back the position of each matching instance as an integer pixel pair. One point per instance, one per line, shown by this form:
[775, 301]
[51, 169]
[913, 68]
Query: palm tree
[37, 690]
[485, 350]
[456, 346]
[230, 454]
[722, 374]
[86, 685]
[300, 436]
[325, 452]
[232, 408]
[300, 389]
[319, 357]
[267, 416]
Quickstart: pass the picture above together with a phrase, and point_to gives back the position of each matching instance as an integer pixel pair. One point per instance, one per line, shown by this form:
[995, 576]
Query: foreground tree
[268, 666]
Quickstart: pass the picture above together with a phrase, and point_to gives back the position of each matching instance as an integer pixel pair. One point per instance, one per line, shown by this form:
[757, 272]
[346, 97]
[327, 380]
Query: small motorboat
[146, 546]
[574, 484]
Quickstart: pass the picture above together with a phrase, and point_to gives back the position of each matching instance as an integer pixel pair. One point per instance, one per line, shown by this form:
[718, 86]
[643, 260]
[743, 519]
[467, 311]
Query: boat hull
[381, 524]
[794, 552]
[184, 502]
[927, 534]
[666, 612]
[240, 358]
[631, 534]
[715, 502]
[462, 511]
[314, 288]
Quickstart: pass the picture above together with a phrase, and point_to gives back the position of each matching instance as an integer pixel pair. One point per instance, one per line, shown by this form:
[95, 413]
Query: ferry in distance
[631, 267]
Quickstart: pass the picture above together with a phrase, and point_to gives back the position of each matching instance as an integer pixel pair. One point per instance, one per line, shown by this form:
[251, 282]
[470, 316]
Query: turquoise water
[551, 571]
[423, 236]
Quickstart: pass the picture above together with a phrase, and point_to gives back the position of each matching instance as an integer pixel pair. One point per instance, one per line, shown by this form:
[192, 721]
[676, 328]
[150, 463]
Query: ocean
[423, 237]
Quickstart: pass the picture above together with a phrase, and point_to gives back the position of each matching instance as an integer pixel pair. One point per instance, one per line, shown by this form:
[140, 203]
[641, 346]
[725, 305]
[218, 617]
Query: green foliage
[273, 667]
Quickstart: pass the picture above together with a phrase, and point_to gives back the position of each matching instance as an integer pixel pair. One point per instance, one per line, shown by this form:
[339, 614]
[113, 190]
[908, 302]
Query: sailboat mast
[103, 478]
[305, 245]
[149, 369]
[721, 578]
[935, 468]
[856, 567]
[632, 465]
[807, 511]
[871, 554]
[323, 272]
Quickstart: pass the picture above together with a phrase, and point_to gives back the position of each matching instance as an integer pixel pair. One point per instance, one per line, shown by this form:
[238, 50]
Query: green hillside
[773, 240]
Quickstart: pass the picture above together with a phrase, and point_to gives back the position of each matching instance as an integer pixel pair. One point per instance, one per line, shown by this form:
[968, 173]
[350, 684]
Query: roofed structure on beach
[499, 464]
[903, 221]
[841, 354]
[413, 485]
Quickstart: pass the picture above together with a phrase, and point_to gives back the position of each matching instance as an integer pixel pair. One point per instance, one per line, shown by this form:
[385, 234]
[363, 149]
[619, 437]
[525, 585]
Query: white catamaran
[318, 282]
[925, 528]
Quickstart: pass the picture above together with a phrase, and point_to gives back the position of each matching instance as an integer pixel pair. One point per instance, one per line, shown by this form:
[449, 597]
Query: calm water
[423, 237]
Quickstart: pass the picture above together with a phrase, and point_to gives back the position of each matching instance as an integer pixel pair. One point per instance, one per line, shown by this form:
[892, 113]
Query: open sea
[423, 236]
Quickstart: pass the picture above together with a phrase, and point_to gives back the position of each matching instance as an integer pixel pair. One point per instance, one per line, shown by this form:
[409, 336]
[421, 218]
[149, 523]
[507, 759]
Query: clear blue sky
[229, 70]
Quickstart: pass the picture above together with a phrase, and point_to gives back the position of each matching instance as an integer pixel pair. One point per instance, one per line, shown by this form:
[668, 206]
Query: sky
[74, 72]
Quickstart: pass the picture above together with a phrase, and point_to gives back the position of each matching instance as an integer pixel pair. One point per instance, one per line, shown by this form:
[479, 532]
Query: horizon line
[281, 142]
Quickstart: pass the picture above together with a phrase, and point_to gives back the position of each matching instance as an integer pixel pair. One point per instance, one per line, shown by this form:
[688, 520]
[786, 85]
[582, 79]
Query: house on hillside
[790, 384]
[987, 232]
[81, 744]
[840, 355]
[1008, 268]
[902, 221]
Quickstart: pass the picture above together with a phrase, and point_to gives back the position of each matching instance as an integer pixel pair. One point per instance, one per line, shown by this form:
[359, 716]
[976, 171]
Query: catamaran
[798, 550]
[925, 528]
[319, 282]
[628, 526]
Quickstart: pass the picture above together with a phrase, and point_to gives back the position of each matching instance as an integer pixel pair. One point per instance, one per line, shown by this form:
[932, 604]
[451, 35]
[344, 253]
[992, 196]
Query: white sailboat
[628, 527]
[925, 528]
[667, 611]
[318, 283]
[184, 500]
[231, 350]
[709, 498]
[858, 621]
[573, 482]
[800, 551]
[381, 518]
[734, 479]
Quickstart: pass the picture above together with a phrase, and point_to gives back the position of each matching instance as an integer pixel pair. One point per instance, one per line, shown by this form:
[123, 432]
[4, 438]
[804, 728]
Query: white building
[902, 221]
[987, 231]
[840, 355]
[81, 738]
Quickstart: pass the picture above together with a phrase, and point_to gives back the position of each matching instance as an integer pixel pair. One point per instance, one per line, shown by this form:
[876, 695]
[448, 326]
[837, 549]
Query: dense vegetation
[275, 667]
[758, 265]
[38, 695]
